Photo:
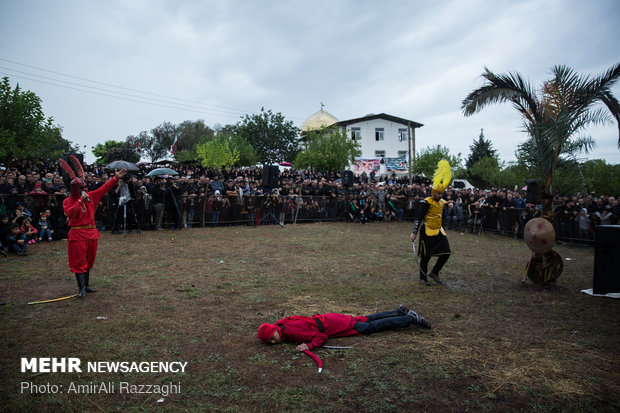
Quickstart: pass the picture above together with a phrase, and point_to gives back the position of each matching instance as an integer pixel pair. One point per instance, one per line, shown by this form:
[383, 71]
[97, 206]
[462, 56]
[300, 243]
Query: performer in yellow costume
[429, 218]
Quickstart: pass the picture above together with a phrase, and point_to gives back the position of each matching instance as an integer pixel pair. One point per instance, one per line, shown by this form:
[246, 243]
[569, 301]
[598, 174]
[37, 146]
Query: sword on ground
[53, 300]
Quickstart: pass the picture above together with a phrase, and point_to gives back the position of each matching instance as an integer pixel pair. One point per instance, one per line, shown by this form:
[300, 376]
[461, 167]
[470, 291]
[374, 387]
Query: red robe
[82, 242]
[302, 329]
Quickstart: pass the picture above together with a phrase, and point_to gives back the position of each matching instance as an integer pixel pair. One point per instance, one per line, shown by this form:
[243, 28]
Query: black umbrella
[122, 165]
[162, 171]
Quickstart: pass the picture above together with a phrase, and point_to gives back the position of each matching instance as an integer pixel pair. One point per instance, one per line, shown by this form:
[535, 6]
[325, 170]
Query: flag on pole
[174, 144]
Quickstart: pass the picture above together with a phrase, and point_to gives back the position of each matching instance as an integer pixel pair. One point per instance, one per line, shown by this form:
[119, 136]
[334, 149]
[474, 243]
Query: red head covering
[77, 186]
[265, 332]
[77, 179]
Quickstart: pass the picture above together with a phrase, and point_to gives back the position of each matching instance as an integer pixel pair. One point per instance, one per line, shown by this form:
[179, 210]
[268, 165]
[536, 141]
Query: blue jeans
[215, 218]
[15, 247]
[190, 217]
[45, 233]
[399, 214]
[452, 221]
[386, 320]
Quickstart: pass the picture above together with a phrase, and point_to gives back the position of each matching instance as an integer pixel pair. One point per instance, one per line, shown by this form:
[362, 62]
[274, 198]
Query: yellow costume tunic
[433, 217]
[433, 240]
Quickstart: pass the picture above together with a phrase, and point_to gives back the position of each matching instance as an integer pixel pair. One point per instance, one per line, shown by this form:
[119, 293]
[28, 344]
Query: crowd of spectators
[31, 196]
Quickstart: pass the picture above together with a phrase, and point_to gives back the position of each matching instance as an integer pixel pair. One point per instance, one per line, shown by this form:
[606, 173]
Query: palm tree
[554, 116]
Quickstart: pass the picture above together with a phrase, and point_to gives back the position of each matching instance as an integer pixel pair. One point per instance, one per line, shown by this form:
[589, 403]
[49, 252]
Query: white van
[461, 184]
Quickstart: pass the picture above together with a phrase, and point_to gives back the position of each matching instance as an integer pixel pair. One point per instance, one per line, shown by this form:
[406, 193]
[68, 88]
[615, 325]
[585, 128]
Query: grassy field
[198, 295]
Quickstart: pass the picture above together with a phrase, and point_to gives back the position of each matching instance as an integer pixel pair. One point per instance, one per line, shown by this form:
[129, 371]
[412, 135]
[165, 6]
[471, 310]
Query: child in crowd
[17, 240]
[21, 210]
[45, 228]
[5, 231]
[29, 231]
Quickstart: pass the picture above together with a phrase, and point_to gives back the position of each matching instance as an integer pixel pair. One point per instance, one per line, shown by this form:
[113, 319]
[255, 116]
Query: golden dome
[320, 119]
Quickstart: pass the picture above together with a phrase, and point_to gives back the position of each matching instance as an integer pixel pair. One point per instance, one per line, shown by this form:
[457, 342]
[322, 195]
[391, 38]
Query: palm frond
[581, 144]
[500, 88]
[614, 108]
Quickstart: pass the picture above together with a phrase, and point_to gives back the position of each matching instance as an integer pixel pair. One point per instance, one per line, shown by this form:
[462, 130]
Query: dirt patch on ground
[198, 295]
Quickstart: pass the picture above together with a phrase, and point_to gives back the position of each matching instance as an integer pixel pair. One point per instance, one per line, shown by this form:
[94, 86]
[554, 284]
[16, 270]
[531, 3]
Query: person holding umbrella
[80, 208]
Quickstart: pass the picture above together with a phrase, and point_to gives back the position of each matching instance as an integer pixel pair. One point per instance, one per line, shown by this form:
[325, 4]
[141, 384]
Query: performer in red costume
[313, 332]
[80, 207]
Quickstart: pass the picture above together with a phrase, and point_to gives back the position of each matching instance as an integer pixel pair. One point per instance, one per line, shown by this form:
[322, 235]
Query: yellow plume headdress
[442, 176]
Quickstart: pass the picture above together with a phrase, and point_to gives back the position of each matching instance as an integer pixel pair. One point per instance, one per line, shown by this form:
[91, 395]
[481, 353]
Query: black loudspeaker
[271, 174]
[532, 195]
[347, 178]
[607, 259]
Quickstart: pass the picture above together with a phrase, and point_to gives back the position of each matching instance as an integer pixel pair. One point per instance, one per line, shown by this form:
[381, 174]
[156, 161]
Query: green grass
[495, 345]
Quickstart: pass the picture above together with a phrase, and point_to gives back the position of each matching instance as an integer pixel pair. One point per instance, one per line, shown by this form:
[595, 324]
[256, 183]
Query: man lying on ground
[313, 332]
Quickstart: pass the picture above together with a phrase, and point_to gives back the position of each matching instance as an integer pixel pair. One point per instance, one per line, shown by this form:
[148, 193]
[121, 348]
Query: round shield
[545, 268]
[539, 235]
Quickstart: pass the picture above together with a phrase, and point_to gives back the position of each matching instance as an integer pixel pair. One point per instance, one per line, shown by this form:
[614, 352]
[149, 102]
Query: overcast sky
[218, 60]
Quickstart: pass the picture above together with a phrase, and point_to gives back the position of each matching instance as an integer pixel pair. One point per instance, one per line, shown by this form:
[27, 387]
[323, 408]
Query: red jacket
[302, 329]
[83, 213]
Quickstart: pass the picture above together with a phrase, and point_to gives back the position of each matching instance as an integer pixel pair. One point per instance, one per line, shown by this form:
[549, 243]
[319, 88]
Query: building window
[402, 135]
[379, 134]
[402, 154]
[356, 134]
[379, 154]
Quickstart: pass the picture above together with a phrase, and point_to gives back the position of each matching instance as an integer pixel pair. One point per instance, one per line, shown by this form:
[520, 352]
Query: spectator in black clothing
[21, 185]
[158, 200]
[174, 204]
[5, 231]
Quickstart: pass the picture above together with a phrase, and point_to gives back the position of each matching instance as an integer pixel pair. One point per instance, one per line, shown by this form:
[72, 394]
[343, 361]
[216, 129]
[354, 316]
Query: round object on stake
[539, 235]
[545, 268]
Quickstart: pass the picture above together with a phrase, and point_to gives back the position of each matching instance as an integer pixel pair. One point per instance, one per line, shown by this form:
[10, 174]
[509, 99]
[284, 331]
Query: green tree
[480, 149]
[112, 150]
[327, 149]
[601, 177]
[216, 153]
[568, 178]
[163, 138]
[556, 116]
[485, 173]
[191, 133]
[227, 130]
[426, 162]
[247, 155]
[140, 142]
[513, 176]
[155, 144]
[25, 132]
[274, 138]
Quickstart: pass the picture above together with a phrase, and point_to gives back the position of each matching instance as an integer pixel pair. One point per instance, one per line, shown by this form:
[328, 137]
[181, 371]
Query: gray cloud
[413, 59]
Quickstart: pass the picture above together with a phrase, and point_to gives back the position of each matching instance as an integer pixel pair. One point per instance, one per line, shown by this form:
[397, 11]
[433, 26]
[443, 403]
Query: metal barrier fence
[211, 211]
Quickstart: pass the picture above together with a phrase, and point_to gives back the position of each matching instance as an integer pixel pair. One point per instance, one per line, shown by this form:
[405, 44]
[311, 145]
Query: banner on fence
[395, 164]
[367, 165]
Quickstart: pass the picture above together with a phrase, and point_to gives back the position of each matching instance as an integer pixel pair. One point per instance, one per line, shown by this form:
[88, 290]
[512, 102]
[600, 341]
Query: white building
[380, 136]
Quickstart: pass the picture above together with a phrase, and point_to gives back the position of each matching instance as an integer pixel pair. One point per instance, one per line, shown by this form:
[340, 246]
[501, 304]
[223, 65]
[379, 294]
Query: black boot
[81, 280]
[87, 287]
